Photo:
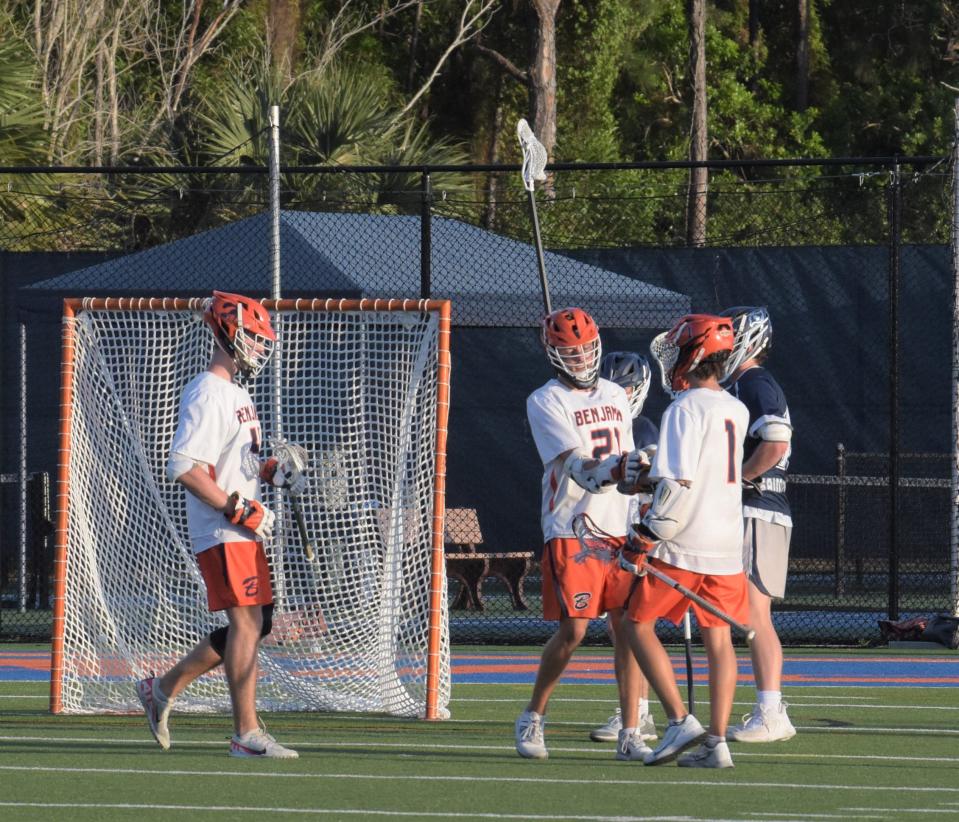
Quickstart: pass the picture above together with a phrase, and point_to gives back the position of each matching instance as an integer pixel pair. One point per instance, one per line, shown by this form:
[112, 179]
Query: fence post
[954, 536]
[22, 479]
[895, 252]
[426, 235]
[840, 563]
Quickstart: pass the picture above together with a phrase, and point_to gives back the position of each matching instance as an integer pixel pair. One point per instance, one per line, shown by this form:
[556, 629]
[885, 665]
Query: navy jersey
[645, 432]
[761, 394]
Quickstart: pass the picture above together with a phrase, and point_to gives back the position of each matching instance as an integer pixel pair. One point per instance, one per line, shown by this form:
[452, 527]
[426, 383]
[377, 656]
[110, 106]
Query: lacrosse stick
[534, 165]
[593, 538]
[296, 456]
[688, 643]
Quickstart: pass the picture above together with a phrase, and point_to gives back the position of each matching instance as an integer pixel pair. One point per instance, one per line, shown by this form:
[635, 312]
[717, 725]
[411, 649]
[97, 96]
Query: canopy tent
[492, 280]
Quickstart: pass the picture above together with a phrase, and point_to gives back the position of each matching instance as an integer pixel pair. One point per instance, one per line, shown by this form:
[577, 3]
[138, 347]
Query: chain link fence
[850, 256]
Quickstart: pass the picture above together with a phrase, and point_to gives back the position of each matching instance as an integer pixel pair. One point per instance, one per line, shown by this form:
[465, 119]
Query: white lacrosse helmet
[571, 340]
[754, 335]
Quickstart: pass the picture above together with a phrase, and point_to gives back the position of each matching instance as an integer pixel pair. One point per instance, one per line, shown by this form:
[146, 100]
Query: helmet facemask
[242, 329]
[632, 372]
[754, 336]
[572, 344]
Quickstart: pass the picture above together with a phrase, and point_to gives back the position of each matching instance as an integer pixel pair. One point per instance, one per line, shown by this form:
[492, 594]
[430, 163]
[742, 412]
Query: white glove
[250, 514]
[634, 463]
[284, 474]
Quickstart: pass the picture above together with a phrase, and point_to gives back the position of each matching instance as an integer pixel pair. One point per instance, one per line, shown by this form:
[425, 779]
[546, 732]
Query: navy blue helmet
[629, 370]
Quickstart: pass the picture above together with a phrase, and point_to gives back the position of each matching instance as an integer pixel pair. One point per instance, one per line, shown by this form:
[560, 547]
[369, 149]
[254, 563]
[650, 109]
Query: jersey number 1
[731, 451]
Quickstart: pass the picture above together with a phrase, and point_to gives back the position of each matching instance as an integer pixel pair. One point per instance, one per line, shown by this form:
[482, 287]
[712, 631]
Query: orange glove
[250, 514]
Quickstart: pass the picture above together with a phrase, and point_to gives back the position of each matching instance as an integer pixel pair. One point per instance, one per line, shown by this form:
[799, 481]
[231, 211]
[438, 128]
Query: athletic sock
[769, 699]
[629, 731]
[643, 707]
[158, 695]
[712, 740]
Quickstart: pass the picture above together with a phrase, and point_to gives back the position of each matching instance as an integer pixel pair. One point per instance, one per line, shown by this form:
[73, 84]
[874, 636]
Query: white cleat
[631, 748]
[647, 728]
[677, 738]
[259, 743]
[610, 731]
[529, 736]
[157, 710]
[705, 757]
[764, 724]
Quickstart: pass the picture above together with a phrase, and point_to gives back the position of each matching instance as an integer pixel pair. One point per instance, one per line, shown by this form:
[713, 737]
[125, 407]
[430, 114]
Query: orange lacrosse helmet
[690, 341]
[572, 343]
[242, 329]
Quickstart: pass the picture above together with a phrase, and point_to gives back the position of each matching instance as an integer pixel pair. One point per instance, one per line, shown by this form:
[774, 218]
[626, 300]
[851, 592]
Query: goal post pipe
[438, 558]
[62, 497]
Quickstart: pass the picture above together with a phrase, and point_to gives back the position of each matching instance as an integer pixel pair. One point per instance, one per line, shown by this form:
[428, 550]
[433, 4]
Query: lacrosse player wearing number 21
[216, 457]
[582, 427]
[693, 533]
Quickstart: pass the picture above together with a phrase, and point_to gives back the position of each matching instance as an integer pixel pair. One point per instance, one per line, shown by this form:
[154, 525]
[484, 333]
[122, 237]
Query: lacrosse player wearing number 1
[692, 532]
[631, 371]
[215, 456]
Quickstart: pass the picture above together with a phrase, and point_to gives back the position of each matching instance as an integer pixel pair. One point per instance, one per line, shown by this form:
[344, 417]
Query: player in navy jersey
[767, 518]
[632, 372]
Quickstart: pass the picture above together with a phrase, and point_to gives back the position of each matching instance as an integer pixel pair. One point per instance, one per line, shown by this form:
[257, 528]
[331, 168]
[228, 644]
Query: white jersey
[701, 440]
[218, 426]
[597, 423]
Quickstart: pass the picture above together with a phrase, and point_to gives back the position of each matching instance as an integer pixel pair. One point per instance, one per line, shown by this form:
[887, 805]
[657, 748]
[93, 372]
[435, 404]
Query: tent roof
[492, 280]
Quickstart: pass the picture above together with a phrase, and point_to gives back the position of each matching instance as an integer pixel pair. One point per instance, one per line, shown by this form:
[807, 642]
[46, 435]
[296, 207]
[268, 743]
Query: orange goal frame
[71, 306]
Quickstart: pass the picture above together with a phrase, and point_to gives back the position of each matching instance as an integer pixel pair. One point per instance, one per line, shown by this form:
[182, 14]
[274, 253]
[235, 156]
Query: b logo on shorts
[581, 600]
[251, 585]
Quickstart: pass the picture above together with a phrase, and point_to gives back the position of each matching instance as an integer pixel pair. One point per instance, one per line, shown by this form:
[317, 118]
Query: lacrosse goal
[363, 386]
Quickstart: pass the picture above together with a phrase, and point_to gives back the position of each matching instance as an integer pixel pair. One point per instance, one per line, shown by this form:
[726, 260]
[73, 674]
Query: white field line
[351, 812]
[905, 810]
[598, 750]
[771, 816]
[687, 783]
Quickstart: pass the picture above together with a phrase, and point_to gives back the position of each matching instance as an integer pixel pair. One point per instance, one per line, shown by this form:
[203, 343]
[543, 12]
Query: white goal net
[363, 387]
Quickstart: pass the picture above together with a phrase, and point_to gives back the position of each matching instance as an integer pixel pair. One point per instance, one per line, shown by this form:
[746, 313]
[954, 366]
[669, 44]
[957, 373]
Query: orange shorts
[580, 583]
[653, 599]
[235, 573]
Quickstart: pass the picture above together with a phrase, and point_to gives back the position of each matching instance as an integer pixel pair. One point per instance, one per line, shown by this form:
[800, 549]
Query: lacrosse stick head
[295, 455]
[680, 350]
[534, 156]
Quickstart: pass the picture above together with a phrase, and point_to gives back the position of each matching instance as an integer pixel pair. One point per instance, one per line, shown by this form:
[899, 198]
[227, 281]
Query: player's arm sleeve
[200, 434]
[680, 441]
[551, 428]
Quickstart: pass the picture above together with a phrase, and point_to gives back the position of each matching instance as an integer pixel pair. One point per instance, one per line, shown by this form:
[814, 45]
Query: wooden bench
[470, 567]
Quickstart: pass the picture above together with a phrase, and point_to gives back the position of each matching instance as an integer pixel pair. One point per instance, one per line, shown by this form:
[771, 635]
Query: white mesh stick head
[295, 455]
[665, 354]
[534, 155]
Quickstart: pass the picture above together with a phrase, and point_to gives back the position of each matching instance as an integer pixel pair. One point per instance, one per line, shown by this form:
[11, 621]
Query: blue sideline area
[877, 668]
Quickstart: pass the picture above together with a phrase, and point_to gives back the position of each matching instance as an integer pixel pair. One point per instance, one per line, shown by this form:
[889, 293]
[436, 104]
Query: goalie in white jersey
[693, 532]
[583, 429]
[215, 456]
